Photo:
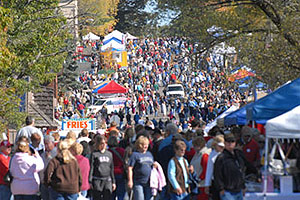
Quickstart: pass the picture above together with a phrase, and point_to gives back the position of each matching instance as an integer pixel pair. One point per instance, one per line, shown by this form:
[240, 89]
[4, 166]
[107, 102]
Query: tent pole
[266, 168]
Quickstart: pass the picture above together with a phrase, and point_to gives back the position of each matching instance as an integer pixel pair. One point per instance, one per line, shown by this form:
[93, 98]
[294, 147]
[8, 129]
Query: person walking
[24, 168]
[229, 171]
[141, 161]
[63, 174]
[101, 177]
[217, 148]
[5, 150]
[178, 173]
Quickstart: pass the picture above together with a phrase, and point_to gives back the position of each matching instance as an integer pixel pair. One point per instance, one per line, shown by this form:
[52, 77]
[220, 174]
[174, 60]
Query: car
[112, 105]
[175, 90]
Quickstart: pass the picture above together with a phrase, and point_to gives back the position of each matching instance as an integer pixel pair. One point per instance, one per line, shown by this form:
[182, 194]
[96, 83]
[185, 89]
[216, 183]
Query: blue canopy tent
[276, 103]
[237, 117]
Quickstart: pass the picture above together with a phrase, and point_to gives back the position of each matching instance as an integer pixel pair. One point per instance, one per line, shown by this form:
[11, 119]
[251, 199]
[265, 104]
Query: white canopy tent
[114, 45]
[115, 34]
[214, 123]
[91, 36]
[130, 37]
[285, 126]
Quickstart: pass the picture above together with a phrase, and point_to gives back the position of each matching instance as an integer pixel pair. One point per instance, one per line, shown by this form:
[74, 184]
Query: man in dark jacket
[229, 171]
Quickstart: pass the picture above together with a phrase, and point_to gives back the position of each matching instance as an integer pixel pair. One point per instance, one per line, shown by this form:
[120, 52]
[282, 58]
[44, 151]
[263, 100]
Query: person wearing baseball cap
[5, 150]
[229, 170]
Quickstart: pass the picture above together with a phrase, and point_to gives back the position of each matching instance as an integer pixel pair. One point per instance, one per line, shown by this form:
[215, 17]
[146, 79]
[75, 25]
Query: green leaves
[266, 33]
[33, 45]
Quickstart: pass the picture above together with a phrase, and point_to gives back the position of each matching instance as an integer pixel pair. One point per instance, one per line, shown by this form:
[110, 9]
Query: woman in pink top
[84, 166]
[24, 168]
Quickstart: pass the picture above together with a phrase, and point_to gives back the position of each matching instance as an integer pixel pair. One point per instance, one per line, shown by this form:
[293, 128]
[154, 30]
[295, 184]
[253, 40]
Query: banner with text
[78, 124]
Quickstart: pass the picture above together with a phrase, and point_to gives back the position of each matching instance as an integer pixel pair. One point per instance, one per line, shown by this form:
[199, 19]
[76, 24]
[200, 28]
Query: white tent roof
[286, 125]
[225, 113]
[116, 34]
[130, 37]
[91, 36]
[113, 44]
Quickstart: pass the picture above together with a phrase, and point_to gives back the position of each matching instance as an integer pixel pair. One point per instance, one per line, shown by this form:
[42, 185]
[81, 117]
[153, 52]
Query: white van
[112, 105]
[175, 90]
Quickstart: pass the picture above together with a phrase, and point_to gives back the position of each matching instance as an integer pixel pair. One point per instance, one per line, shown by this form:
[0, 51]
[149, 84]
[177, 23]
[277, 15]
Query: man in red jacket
[5, 150]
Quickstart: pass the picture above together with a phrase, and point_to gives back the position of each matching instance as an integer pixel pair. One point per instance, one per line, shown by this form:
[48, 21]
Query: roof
[41, 119]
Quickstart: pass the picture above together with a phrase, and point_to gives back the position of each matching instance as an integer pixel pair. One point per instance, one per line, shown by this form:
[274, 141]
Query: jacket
[4, 165]
[24, 168]
[181, 174]
[229, 171]
[84, 166]
[63, 177]
[199, 163]
[157, 179]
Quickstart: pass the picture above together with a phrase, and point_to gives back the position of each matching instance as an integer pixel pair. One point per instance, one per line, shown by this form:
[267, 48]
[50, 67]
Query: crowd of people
[152, 65]
[143, 162]
[132, 156]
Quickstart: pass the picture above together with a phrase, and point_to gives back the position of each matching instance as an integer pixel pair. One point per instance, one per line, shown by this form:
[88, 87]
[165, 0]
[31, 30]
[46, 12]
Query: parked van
[112, 105]
[175, 90]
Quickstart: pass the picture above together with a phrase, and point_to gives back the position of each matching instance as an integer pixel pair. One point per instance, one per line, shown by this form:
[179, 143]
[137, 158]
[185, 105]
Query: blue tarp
[276, 103]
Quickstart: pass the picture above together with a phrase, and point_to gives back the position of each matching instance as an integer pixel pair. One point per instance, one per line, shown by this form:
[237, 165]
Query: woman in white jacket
[24, 169]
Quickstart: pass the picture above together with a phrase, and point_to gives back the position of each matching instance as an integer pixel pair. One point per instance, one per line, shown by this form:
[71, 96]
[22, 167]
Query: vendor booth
[285, 126]
[114, 49]
[274, 104]
[112, 88]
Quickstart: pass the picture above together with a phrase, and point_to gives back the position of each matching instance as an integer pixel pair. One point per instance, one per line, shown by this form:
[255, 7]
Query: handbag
[276, 165]
[283, 165]
[193, 181]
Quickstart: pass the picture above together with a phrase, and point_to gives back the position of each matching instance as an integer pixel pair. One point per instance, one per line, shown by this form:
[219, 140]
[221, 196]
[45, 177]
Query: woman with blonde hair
[24, 169]
[217, 148]
[84, 165]
[63, 173]
[142, 161]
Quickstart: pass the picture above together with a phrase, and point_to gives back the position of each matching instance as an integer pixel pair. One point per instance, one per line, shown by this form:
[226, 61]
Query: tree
[132, 16]
[9, 106]
[33, 48]
[265, 32]
[68, 78]
[97, 16]
[37, 38]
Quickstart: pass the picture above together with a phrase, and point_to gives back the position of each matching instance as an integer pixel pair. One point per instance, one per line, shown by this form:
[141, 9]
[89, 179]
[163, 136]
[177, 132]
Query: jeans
[184, 196]
[142, 192]
[44, 192]
[232, 196]
[120, 190]
[164, 194]
[62, 196]
[5, 192]
[25, 197]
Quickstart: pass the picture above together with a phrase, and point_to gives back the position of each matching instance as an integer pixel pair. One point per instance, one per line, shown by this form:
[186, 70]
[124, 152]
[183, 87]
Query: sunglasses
[230, 141]
[261, 142]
